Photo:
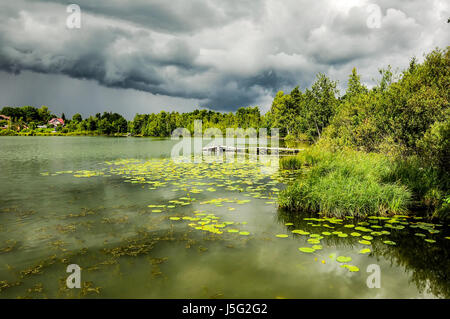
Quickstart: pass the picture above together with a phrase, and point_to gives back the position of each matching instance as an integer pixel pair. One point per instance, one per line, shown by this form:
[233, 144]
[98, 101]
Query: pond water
[143, 226]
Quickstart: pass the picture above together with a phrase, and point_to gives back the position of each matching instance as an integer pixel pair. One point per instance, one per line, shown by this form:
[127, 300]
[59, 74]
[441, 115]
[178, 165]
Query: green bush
[434, 147]
[7, 133]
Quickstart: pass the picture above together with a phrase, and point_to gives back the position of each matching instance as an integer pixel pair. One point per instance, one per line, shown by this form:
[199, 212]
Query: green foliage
[434, 147]
[164, 123]
[7, 132]
[305, 115]
[77, 118]
[103, 124]
[27, 114]
[394, 117]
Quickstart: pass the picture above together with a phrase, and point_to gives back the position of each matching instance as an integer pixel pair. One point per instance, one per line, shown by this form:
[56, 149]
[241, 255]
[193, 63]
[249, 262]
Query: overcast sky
[142, 56]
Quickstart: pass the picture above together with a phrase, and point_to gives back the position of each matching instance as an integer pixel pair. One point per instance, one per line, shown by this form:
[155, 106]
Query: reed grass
[344, 183]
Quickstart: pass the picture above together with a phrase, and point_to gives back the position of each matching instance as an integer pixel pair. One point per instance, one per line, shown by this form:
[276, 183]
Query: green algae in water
[300, 232]
[306, 249]
[420, 235]
[350, 268]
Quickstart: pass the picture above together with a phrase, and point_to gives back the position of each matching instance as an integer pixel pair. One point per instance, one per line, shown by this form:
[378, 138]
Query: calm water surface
[85, 200]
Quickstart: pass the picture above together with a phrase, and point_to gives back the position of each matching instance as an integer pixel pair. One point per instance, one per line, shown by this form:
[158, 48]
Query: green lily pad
[388, 242]
[350, 268]
[377, 233]
[364, 251]
[306, 249]
[367, 237]
[420, 234]
[300, 232]
[282, 236]
[429, 240]
[365, 242]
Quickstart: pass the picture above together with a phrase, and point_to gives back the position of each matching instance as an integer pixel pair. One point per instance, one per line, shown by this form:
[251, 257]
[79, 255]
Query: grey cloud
[178, 16]
[221, 54]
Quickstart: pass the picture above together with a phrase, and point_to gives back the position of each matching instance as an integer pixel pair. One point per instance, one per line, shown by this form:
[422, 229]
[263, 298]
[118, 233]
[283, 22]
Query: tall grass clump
[344, 183]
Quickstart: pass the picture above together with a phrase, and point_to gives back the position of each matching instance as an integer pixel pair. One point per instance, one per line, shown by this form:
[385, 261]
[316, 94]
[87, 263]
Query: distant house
[56, 121]
[42, 126]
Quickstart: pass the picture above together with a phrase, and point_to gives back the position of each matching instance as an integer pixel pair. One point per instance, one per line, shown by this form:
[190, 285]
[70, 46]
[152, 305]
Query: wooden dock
[251, 150]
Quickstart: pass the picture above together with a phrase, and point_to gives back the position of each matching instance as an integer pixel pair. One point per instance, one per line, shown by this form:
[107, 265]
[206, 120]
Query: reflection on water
[141, 226]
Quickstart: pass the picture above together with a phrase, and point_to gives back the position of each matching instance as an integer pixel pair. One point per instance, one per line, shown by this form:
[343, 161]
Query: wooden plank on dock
[223, 148]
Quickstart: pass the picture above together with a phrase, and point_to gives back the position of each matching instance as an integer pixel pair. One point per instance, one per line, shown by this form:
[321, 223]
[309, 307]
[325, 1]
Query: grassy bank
[359, 184]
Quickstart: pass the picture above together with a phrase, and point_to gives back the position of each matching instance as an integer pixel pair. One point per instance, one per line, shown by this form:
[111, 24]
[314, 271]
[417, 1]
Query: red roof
[5, 117]
[56, 119]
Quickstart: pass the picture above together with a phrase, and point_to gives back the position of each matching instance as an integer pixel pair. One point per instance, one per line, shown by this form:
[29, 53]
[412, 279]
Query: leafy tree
[77, 118]
[320, 105]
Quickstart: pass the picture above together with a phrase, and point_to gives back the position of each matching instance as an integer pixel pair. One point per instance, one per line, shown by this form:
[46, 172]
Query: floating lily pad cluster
[211, 223]
[365, 232]
[247, 178]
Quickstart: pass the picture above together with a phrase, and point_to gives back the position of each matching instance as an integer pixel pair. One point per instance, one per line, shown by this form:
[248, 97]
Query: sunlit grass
[344, 183]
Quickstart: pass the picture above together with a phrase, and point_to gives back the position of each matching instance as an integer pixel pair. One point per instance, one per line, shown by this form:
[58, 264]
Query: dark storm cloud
[178, 16]
[221, 54]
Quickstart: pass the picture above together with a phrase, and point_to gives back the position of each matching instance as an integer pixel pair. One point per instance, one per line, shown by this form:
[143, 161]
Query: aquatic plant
[346, 183]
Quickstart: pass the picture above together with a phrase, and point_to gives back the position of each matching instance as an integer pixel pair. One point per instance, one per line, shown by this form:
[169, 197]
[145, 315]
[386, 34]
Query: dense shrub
[344, 183]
